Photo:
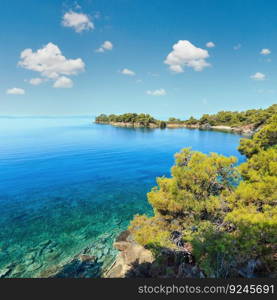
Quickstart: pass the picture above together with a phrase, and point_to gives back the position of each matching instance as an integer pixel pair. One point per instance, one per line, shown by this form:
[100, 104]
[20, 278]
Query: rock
[29, 262]
[4, 272]
[116, 272]
[52, 255]
[99, 254]
[30, 255]
[123, 236]
[17, 270]
[121, 246]
[130, 254]
[189, 271]
[205, 126]
[33, 267]
[45, 243]
[105, 251]
[87, 258]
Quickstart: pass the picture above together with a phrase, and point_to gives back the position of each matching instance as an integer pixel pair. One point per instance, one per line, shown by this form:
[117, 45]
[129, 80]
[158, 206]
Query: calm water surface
[69, 185]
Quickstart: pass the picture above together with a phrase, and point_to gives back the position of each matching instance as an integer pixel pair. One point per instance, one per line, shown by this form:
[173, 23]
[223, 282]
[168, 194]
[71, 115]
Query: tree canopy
[256, 117]
[143, 119]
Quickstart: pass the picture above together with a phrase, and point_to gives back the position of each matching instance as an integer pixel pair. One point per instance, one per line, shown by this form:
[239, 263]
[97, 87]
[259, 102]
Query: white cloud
[50, 62]
[35, 81]
[78, 21]
[185, 54]
[210, 45]
[237, 47]
[258, 76]
[107, 45]
[15, 91]
[126, 71]
[159, 92]
[63, 82]
[265, 51]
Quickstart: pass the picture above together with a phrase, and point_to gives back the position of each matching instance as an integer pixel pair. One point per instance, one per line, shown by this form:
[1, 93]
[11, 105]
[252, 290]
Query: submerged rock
[87, 258]
[4, 272]
[18, 270]
[34, 267]
[106, 251]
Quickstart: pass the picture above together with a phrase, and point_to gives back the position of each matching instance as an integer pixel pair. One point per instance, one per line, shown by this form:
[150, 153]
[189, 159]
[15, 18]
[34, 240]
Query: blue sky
[132, 71]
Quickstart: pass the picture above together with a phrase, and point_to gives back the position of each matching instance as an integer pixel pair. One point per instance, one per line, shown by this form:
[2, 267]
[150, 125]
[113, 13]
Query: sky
[168, 58]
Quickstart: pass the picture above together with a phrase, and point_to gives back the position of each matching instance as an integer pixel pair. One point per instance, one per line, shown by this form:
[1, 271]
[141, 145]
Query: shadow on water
[86, 268]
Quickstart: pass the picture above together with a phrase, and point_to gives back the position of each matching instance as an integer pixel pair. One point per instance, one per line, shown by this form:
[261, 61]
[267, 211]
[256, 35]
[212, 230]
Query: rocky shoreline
[129, 124]
[135, 261]
[245, 130]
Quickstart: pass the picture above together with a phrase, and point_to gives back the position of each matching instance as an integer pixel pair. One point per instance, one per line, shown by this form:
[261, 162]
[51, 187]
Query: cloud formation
[159, 92]
[50, 63]
[265, 51]
[107, 45]
[78, 21]
[63, 82]
[35, 81]
[210, 45]
[258, 76]
[185, 54]
[128, 72]
[15, 91]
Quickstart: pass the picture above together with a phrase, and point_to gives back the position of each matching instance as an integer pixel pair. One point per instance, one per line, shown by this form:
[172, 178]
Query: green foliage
[191, 121]
[150, 231]
[226, 223]
[213, 249]
[142, 119]
[255, 233]
[174, 121]
[263, 139]
[196, 180]
[260, 180]
[256, 117]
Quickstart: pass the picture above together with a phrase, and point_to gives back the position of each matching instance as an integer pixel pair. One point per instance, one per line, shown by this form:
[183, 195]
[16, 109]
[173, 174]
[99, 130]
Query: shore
[245, 130]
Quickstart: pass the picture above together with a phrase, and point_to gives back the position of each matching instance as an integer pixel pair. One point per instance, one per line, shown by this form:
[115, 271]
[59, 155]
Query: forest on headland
[252, 117]
[212, 218]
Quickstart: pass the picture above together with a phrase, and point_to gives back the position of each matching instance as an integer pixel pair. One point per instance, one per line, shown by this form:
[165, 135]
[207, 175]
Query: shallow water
[69, 185]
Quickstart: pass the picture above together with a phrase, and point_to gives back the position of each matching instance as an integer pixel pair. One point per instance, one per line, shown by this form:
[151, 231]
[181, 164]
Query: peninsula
[245, 122]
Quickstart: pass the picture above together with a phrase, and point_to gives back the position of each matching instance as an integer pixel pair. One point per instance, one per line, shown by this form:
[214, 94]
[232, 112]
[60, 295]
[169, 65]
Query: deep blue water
[67, 184]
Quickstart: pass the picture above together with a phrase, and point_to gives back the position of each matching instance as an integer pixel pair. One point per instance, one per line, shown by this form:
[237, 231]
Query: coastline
[247, 130]
[128, 252]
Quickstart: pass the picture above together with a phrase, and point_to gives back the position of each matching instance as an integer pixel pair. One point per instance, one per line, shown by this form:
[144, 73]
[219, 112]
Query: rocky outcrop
[246, 129]
[130, 254]
[134, 261]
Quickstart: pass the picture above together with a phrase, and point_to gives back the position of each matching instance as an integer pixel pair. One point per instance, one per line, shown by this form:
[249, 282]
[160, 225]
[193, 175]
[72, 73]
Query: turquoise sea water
[69, 186]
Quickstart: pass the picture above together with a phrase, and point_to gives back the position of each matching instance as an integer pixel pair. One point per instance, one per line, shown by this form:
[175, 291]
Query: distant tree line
[235, 118]
[141, 119]
[226, 118]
